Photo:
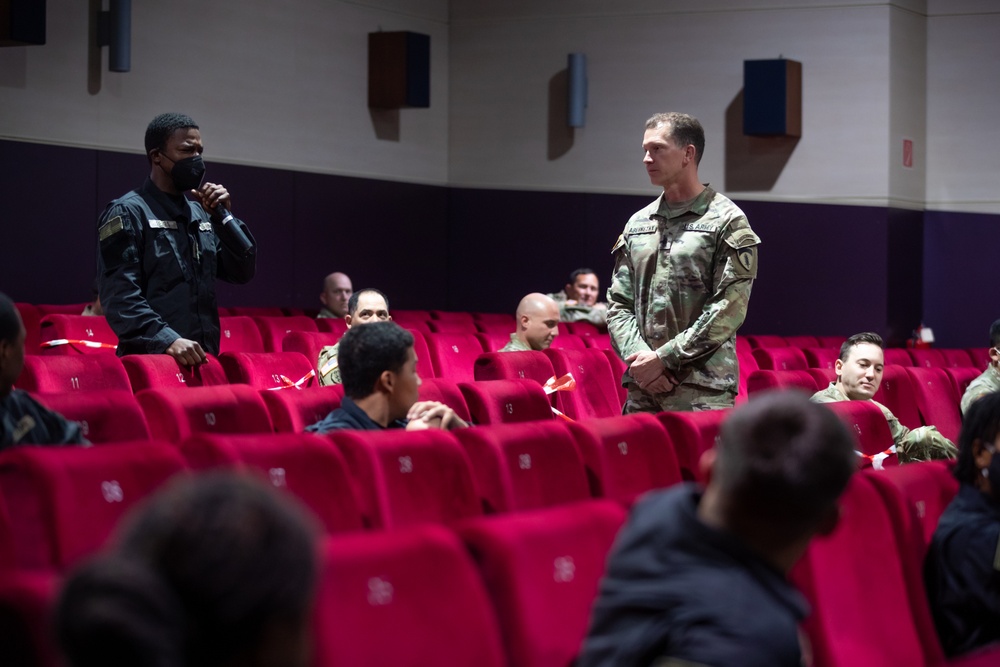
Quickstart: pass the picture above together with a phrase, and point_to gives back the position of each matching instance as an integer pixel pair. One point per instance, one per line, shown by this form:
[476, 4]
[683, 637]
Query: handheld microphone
[229, 230]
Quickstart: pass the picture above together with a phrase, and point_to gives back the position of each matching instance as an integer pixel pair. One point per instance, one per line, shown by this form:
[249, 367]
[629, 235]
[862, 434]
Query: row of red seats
[795, 358]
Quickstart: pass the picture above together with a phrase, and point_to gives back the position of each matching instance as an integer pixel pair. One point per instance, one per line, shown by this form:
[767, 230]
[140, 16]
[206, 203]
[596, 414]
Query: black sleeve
[232, 266]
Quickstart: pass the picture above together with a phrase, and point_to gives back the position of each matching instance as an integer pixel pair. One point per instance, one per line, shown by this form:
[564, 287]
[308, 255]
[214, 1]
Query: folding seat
[823, 376]
[76, 334]
[897, 356]
[60, 308]
[937, 400]
[453, 316]
[956, 358]
[111, 415]
[32, 319]
[447, 392]
[273, 329]
[692, 434]
[747, 365]
[871, 431]
[598, 341]
[626, 456]
[760, 381]
[596, 393]
[269, 370]
[406, 478]
[454, 355]
[861, 580]
[27, 601]
[493, 341]
[928, 357]
[292, 311]
[761, 341]
[460, 326]
[583, 328]
[412, 320]
[147, 371]
[256, 311]
[780, 359]
[78, 373]
[308, 343]
[63, 502]
[542, 570]
[293, 411]
[567, 341]
[927, 488]
[403, 598]
[176, 414]
[618, 370]
[425, 366]
[802, 341]
[527, 364]
[897, 393]
[743, 345]
[505, 401]
[239, 334]
[495, 322]
[525, 466]
[980, 356]
[821, 357]
[305, 465]
[831, 341]
[331, 325]
[961, 378]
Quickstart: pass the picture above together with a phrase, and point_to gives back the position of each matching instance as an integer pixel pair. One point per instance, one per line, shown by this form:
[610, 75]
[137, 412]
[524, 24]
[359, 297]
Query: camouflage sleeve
[626, 339]
[725, 309]
[329, 371]
[924, 444]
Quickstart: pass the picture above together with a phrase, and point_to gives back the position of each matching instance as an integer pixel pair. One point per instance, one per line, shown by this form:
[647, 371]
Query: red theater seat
[961, 378]
[239, 334]
[269, 370]
[957, 358]
[598, 341]
[618, 370]
[526, 365]
[802, 341]
[61, 308]
[307, 466]
[493, 341]
[780, 359]
[273, 329]
[897, 356]
[525, 466]
[897, 393]
[27, 600]
[831, 341]
[869, 427]
[447, 392]
[454, 355]
[452, 326]
[567, 341]
[542, 569]
[937, 400]
[582, 328]
[927, 487]
[762, 341]
[505, 401]
[452, 316]
[823, 376]
[692, 434]
[177, 414]
[63, 502]
[495, 322]
[148, 371]
[425, 367]
[596, 393]
[292, 411]
[760, 381]
[331, 325]
[79, 330]
[257, 311]
[406, 478]
[626, 455]
[821, 357]
[928, 358]
[78, 373]
[112, 415]
[308, 343]
[32, 319]
[403, 598]
[980, 356]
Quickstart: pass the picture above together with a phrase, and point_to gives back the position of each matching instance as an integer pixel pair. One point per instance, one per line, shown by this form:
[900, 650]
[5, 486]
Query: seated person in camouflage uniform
[578, 300]
[537, 324]
[989, 381]
[859, 374]
[381, 385]
[23, 420]
[368, 305]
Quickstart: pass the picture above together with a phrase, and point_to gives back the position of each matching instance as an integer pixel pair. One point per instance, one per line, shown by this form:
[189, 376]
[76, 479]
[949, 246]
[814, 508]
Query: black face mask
[188, 173]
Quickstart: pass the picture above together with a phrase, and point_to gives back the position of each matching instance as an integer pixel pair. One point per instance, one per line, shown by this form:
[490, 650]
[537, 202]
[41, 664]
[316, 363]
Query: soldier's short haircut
[858, 339]
[995, 334]
[352, 303]
[580, 272]
[783, 461]
[10, 319]
[367, 352]
[164, 125]
[981, 422]
[684, 130]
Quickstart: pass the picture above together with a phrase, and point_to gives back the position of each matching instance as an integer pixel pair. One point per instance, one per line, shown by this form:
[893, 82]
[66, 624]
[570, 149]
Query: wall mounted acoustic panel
[772, 98]
[399, 70]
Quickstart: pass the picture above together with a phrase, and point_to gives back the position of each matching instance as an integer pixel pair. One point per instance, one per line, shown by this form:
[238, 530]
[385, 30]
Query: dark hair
[367, 351]
[580, 272]
[684, 130]
[198, 575]
[10, 319]
[163, 126]
[782, 461]
[858, 339]
[981, 422]
[995, 334]
[352, 303]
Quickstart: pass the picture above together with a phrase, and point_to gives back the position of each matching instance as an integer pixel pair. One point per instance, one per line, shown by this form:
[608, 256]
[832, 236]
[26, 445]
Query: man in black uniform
[697, 576]
[160, 253]
[23, 420]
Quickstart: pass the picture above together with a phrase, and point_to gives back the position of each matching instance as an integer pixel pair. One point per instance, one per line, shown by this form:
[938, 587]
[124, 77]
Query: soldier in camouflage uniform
[989, 381]
[537, 324]
[859, 374]
[578, 300]
[368, 305]
[684, 267]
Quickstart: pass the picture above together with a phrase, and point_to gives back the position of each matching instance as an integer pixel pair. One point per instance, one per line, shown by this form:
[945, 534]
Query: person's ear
[706, 464]
[524, 320]
[994, 355]
[980, 454]
[348, 319]
[828, 522]
[838, 367]
[386, 382]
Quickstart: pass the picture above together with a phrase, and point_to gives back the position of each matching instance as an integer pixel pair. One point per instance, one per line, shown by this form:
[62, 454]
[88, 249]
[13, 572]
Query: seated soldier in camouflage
[368, 305]
[537, 324]
[578, 300]
[859, 374]
[989, 381]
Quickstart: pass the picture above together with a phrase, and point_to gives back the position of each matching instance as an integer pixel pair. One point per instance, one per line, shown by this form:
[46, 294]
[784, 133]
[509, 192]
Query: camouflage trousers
[685, 398]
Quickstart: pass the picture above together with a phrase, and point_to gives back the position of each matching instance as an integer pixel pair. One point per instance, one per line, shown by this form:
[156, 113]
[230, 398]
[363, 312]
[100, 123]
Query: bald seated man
[337, 290]
[537, 324]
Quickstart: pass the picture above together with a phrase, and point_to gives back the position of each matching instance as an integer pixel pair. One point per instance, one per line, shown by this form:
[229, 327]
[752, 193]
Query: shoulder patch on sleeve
[742, 238]
[111, 227]
[619, 243]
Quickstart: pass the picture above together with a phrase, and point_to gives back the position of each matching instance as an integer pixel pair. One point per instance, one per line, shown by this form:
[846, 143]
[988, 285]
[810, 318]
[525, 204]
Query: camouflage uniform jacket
[578, 312]
[987, 383]
[920, 444]
[515, 345]
[327, 313]
[681, 286]
[327, 366]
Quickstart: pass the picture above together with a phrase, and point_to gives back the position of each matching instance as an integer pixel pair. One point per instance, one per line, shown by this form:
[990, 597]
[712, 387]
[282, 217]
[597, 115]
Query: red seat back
[957, 358]
[869, 427]
[692, 434]
[292, 411]
[927, 488]
[937, 400]
[526, 365]
[596, 393]
[801, 341]
[449, 326]
[177, 414]
[780, 359]
[269, 370]
[104, 416]
[447, 392]
[961, 378]
[762, 341]
[273, 329]
[454, 355]
[239, 333]
[896, 392]
[76, 328]
[308, 343]
[32, 319]
[928, 357]
[568, 341]
[506, 401]
[76, 373]
[583, 328]
[821, 357]
[148, 371]
[897, 356]
[332, 325]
